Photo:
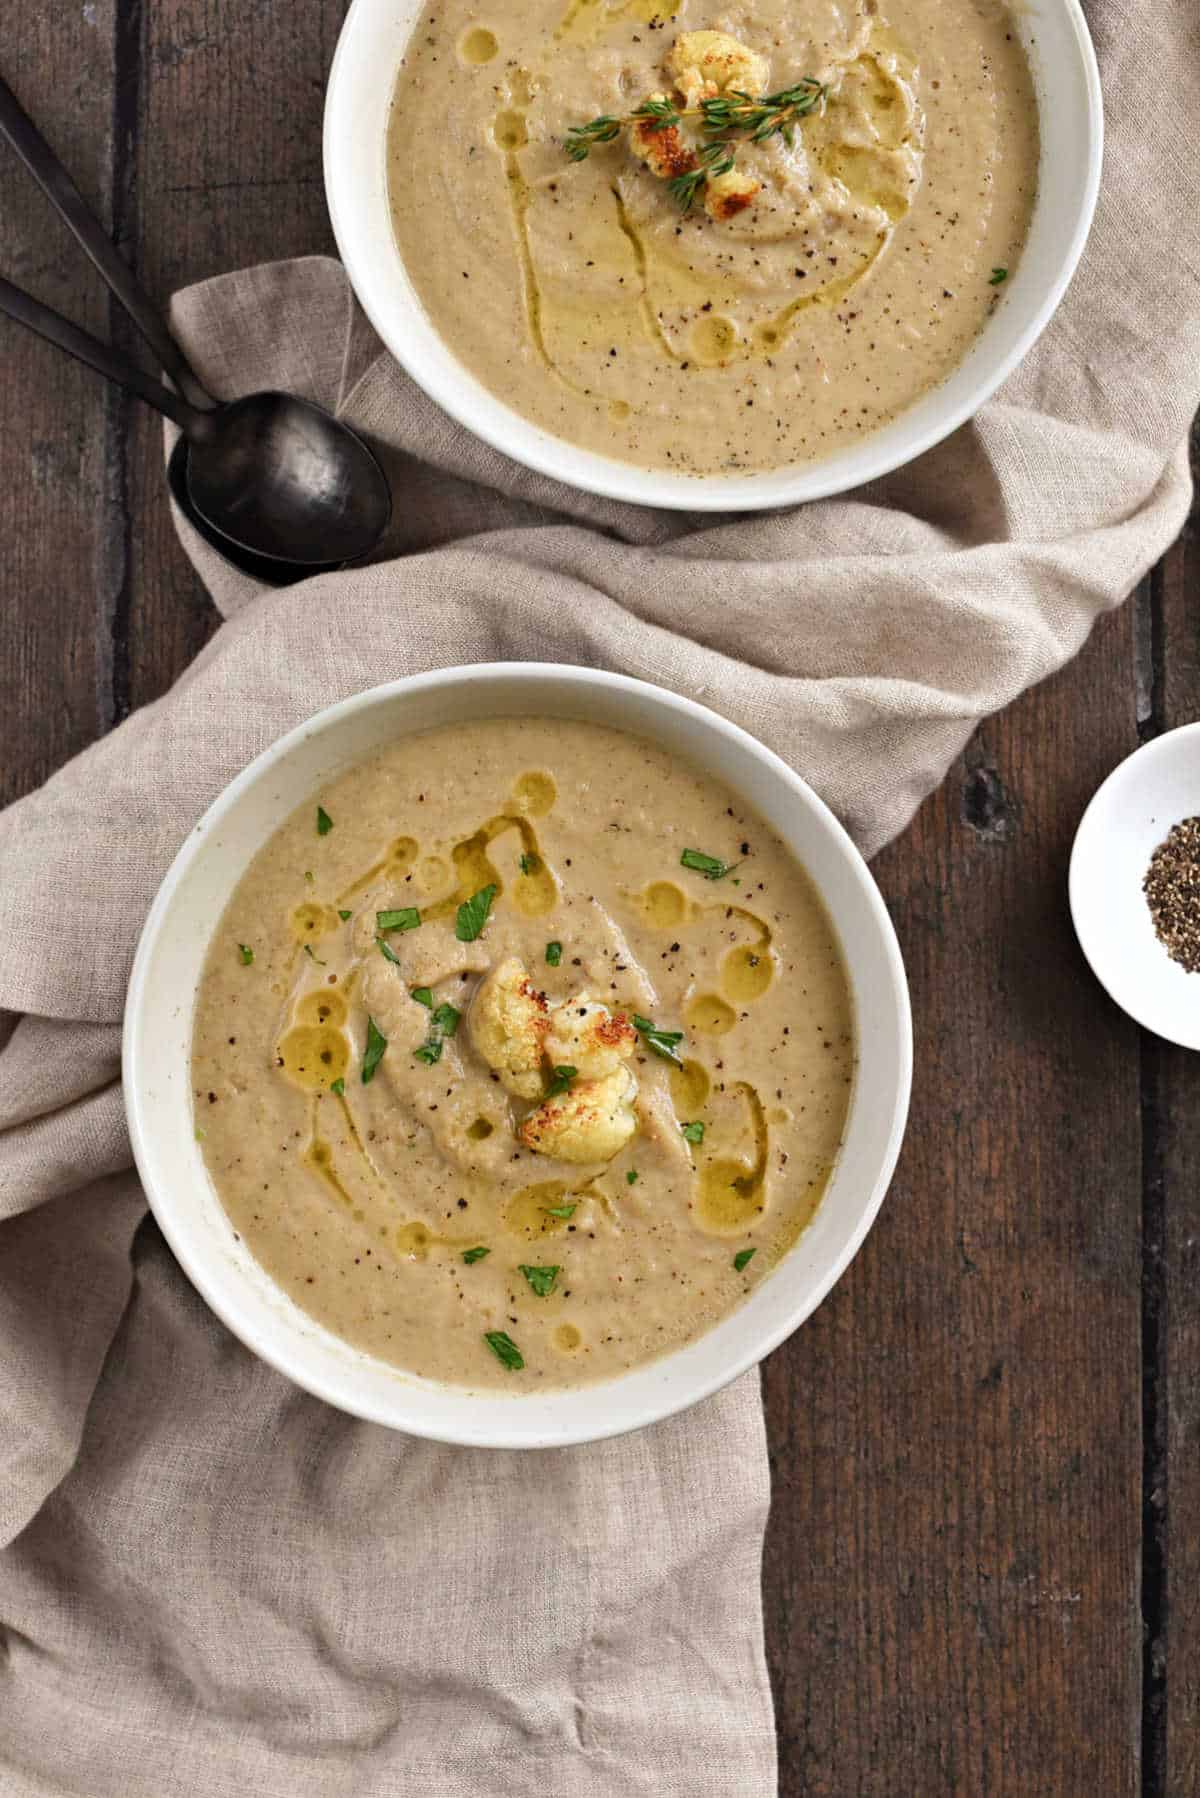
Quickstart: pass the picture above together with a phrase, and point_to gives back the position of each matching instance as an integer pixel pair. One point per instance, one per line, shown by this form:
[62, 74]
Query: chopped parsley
[313, 956]
[387, 952]
[559, 1210]
[997, 277]
[476, 1254]
[541, 1279]
[423, 996]
[631, 1177]
[245, 954]
[445, 1019]
[503, 1346]
[473, 913]
[708, 865]
[529, 864]
[693, 1132]
[406, 917]
[324, 822]
[662, 1042]
[743, 1258]
[553, 954]
[343, 915]
[430, 1051]
[376, 1044]
[338, 1087]
[443, 1023]
[563, 1078]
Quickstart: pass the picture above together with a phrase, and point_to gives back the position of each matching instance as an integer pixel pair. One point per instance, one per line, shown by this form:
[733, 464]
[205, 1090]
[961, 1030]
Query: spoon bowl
[280, 477]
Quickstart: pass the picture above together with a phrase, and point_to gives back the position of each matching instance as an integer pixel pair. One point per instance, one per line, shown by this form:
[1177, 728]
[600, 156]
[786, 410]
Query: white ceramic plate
[364, 71]
[158, 1028]
[1154, 788]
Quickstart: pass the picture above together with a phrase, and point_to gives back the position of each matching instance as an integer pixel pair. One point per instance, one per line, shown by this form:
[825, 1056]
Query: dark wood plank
[228, 173]
[1172, 1121]
[953, 1555]
[61, 520]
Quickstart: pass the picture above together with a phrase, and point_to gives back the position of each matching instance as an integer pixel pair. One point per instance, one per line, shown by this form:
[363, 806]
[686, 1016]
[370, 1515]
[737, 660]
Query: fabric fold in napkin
[212, 1584]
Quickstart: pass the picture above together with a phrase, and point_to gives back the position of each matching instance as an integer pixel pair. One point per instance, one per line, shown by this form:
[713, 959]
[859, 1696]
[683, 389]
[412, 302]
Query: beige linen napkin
[214, 1584]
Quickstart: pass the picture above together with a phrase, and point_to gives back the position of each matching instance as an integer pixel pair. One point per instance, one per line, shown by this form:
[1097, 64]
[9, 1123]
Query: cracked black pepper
[1172, 889]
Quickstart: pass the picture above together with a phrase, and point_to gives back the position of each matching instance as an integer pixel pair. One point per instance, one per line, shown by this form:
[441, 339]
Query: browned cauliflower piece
[663, 151]
[507, 1024]
[728, 194]
[705, 63]
[591, 1121]
[586, 1035]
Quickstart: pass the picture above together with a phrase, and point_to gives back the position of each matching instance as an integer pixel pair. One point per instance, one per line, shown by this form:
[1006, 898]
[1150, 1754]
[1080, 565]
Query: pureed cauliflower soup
[522, 1053]
[716, 239]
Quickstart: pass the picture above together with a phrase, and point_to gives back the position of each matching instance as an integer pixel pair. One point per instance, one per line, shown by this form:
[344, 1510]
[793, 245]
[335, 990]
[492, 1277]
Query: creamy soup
[839, 269]
[522, 1054]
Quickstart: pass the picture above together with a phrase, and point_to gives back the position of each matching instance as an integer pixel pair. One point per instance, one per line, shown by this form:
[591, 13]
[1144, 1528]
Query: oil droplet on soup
[729, 1198]
[567, 1339]
[665, 904]
[508, 129]
[412, 1241]
[527, 1210]
[709, 1014]
[714, 339]
[746, 973]
[433, 875]
[314, 1056]
[321, 1008]
[311, 921]
[535, 890]
[535, 793]
[690, 1087]
[480, 1130]
[477, 45]
[402, 854]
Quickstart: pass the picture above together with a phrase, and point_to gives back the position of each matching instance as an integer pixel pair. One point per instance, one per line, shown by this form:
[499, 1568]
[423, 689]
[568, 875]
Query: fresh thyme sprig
[722, 118]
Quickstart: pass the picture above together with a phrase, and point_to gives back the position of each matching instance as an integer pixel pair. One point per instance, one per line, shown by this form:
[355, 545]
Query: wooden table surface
[981, 1572]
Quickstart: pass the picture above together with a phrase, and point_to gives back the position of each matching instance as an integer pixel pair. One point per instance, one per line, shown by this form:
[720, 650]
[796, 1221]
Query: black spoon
[274, 478]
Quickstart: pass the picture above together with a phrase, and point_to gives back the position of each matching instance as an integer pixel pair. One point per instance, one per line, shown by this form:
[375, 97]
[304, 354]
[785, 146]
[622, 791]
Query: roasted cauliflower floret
[663, 151]
[507, 1024]
[705, 63]
[588, 1037]
[591, 1121]
[728, 194]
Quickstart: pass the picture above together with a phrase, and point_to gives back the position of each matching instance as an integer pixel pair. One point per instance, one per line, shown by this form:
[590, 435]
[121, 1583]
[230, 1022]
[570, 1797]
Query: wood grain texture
[954, 1546]
[61, 520]
[242, 183]
[1171, 1091]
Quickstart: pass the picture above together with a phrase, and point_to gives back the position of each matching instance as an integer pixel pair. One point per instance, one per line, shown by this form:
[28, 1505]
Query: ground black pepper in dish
[1172, 889]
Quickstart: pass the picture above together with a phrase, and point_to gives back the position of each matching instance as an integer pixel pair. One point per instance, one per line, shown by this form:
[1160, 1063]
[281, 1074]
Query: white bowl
[1154, 788]
[1055, 38]
[158, 1028]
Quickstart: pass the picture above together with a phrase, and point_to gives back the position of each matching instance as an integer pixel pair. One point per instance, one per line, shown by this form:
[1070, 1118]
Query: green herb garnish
[387, 952]
[504, 1348]
[743, 1257]
[693, 1132]
[376, 1044]
[423, 996]
[406, 917]
[563, 1078]
[477, 1254]
[631, 1176]
[708, 865]
[445, 1019]
[529, 864]
[997, 276]
[338, 1087]
[245, 954]
[430, 1051]
[723, 117]
[343, 915]
[472, 914]
[313, 956]
[541, 1279]
[553, 954]
[324, 822]
[559, 1210]
[662, 1042]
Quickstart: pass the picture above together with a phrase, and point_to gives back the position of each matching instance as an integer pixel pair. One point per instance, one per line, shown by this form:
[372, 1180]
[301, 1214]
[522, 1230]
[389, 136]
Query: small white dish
[158, 1033]
[1055, 38]
[1154, 788]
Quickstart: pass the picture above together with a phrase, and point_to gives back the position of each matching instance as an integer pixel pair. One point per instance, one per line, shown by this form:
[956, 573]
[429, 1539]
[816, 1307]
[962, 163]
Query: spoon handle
[86, 348]
[64, 196]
